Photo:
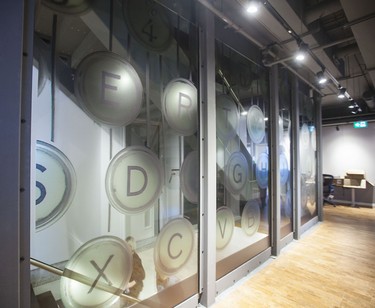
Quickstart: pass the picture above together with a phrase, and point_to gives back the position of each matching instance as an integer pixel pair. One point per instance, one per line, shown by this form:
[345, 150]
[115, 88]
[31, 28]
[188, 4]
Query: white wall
[349, 148]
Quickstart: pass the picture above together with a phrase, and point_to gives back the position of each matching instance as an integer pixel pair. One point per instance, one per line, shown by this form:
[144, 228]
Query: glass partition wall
[115, 213]
[285, 152]
[115, 153]
[242, 108]
[307, 152]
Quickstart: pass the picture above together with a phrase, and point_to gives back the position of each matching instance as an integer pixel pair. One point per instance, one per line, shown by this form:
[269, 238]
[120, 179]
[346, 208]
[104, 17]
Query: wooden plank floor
[333, 265]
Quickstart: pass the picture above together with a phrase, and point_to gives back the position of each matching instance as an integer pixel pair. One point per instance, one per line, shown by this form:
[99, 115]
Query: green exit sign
[360, 124]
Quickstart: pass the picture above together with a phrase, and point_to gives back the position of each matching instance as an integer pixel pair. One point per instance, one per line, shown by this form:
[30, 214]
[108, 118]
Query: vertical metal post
[275, 161]
[15, 89]
[319, 162]
[207, 271]
[296, 160]
[25, 146]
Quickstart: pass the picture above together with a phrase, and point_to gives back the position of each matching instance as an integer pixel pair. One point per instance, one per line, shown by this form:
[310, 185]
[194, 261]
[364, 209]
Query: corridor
[332, 265]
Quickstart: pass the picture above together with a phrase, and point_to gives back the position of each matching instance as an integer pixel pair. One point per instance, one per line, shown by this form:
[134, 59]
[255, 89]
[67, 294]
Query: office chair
[328, 189]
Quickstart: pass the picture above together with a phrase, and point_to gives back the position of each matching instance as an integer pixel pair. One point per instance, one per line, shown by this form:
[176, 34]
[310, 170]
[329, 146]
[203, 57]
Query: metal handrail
[81, 278]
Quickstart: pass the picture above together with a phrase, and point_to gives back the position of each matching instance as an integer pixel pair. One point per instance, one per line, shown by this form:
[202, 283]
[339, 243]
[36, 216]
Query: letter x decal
[101, 273]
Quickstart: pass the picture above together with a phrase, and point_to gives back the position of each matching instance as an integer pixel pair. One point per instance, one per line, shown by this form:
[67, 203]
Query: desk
[353, 188]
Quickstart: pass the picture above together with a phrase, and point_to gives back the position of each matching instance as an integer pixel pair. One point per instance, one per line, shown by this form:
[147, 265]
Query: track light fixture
[322, 79]
[354, 107]
[353, 104]
[302, 51]
[341, 93]
[252, 7]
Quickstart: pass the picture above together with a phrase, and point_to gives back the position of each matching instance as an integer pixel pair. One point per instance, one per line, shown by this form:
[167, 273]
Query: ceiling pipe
[233, 25]
[316, 48]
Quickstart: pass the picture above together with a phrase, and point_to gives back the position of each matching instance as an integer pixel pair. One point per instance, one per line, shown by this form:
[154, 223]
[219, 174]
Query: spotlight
[301, 53]
[252, 7]
[322, 79]
[353, 104]
[341, 93]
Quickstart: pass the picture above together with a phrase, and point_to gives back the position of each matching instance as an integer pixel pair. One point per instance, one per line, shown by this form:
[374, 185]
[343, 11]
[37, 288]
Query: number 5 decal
[41, 187]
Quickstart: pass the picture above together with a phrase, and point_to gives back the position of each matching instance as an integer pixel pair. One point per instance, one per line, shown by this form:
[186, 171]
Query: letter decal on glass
[145, 179]
[174, 246]
[106, 86]
[250, 219]
[41, 187]
[100, 273]
[236, 172]
[227, 118]
[237, 175]
[55, 183]
[134, 179]
[148, 23]
[108, 89]
[148, 29]
[222, 230]
[224, 227]
[97, 273]
[179, 105]
[169, 247]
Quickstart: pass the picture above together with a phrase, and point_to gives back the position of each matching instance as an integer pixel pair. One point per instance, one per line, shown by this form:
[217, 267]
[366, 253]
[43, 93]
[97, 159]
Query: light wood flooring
[332, 265]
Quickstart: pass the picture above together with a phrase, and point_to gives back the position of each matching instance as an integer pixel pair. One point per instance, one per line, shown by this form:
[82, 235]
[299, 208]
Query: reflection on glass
[118, 72]
[285, 156]
[307, 153]
[242, 226]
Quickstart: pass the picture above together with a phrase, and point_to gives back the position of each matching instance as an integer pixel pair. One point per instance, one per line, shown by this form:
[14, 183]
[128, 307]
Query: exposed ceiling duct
[346, 51]
[322, 9]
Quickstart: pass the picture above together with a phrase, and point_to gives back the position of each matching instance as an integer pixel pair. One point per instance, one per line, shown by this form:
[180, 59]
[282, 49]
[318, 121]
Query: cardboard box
[355, 179]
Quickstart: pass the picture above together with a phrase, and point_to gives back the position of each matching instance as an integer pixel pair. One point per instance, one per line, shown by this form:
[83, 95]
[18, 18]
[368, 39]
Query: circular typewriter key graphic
[108, 89]
[174, 246]
[55, 184]
[304, 137]
[98, 272]
[134, 179]
[227, 118]
[284, 168]
[256, 125]
[236, 172]
[261, 172]
[71, 7]
[148, 23]
[179, 105]
[250, 218]
[190, 177]
[224, 227]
